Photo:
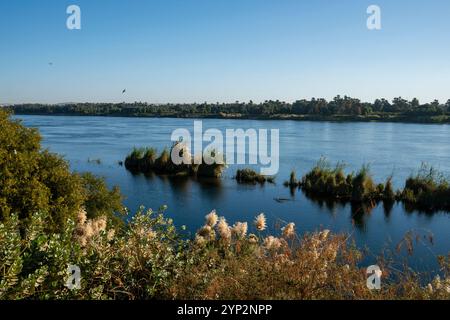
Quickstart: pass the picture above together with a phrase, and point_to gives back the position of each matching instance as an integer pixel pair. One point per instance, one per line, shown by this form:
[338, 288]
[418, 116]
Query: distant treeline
[339, 109]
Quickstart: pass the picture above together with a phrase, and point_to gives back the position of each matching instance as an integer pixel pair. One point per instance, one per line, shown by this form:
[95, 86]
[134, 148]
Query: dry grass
[148, 258]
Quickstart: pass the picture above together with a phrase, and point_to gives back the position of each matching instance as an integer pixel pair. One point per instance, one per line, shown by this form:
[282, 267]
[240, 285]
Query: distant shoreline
[340, 109]
[293, 117]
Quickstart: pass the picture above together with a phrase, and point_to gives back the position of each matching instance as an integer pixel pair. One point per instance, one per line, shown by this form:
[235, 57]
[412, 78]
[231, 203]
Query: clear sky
[222, 50]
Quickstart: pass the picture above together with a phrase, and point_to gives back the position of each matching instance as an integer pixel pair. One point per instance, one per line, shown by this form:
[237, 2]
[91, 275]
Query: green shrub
[149, 259]
[34, 180]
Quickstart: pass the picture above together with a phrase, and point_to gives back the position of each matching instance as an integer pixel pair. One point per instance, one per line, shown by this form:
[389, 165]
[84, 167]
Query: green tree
[35, 180]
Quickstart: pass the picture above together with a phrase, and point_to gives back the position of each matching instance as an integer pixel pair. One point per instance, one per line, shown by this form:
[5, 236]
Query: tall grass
[148, 258]
[428, 189]
[332, 182]
[146, 160]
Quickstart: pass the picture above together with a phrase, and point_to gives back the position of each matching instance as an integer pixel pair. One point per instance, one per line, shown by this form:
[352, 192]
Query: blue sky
[222, 50]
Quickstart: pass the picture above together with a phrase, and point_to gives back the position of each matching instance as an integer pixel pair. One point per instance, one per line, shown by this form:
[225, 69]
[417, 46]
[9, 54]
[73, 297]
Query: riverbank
[395, 118]
[340, 109]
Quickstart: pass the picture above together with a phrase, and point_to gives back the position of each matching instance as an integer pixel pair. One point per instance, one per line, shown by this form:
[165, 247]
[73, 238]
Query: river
[389, 148]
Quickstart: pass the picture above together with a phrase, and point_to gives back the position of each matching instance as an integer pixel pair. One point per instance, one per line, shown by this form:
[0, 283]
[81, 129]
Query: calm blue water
[388, 148]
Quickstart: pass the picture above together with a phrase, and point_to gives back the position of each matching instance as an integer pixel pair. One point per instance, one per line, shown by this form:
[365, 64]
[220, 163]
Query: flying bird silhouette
[124, 90]
[50, 63]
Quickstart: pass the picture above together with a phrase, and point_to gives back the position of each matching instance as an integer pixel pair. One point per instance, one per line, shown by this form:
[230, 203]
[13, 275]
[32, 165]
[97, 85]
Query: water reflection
[188, 200]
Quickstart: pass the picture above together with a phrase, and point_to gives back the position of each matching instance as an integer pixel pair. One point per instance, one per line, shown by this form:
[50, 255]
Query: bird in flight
[50, 63]
[124, 90]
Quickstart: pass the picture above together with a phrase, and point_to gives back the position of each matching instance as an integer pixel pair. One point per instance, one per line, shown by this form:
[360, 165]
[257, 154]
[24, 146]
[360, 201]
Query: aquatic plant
[212, 165]
[292, 182]
[428, 190]
[146, 160]
[332, 183]
[388, 193]
[252, 177]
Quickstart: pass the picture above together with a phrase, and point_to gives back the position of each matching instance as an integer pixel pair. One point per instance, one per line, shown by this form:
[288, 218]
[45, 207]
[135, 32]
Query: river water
[389, 148]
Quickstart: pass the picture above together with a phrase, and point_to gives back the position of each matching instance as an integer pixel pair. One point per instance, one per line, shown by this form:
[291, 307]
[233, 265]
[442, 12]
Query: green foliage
[339, 109]
[98, 199]
[34, 180]
[148, 259]
[138, 263]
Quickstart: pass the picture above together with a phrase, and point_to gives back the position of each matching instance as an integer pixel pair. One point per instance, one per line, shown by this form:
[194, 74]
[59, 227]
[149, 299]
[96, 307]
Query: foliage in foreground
[148, 258]
[34, 180]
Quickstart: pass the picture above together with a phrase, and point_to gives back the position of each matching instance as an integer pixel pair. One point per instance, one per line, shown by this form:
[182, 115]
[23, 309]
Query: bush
[34, 180]
[148, 258]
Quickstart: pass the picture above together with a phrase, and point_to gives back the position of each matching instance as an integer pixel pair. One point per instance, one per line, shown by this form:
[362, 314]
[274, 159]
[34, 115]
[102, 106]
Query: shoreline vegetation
[51, 218]
[340, 109]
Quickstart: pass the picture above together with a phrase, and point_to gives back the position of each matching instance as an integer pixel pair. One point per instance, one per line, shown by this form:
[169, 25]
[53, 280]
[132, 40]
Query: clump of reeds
[428, 190]
[323, 180]
[133, 160]
[146, 160]
[252, 177]
[212, 165]
[292, 182]
[363, 187]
